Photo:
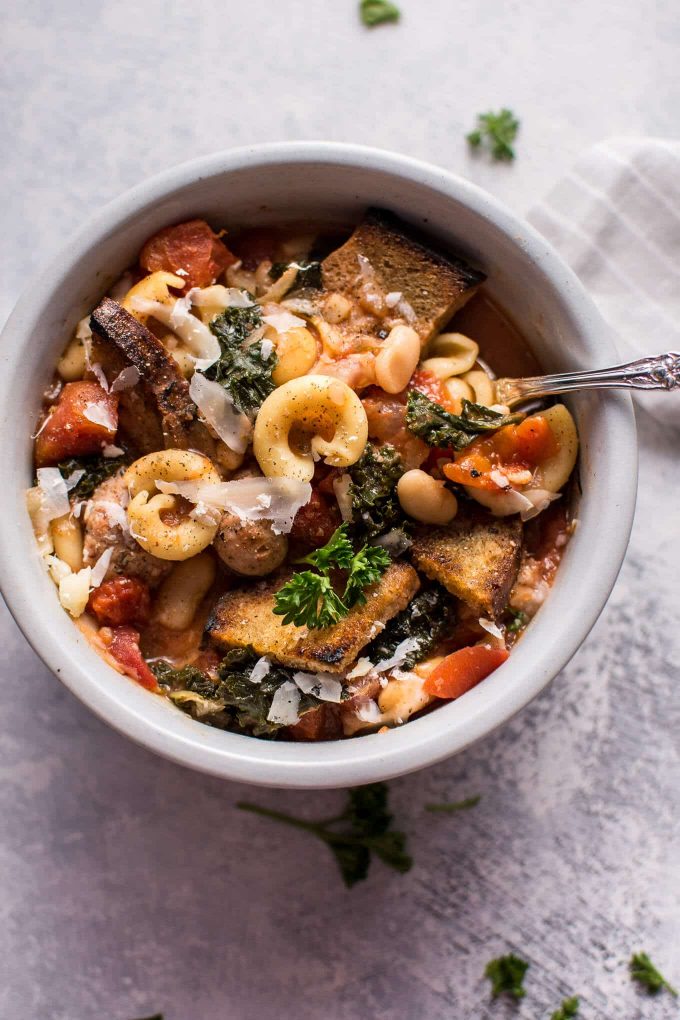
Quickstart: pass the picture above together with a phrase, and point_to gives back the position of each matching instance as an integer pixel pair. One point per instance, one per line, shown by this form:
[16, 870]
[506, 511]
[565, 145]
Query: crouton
[434, 283]
[245, 617]
[475, 557]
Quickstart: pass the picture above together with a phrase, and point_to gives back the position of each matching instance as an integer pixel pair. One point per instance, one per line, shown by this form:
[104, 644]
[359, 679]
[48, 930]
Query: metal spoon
[659, 373]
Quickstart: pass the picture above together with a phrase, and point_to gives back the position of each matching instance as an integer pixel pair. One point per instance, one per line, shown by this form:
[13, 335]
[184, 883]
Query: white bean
[425, 498]
[397, 360]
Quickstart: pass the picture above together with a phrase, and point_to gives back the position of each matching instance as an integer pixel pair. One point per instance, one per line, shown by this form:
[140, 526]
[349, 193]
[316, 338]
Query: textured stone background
[131, 885]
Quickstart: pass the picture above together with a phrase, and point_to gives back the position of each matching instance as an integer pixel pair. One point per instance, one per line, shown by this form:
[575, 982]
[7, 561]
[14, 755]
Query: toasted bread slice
[475, 557]
[434, 283]
[245, 617]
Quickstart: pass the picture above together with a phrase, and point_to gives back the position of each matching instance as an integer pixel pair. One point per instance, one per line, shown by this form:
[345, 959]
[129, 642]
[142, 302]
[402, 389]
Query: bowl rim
[426, 740]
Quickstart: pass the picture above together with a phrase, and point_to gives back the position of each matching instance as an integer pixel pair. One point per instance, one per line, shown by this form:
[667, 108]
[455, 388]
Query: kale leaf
[308, 273]
[250, 701]
[438, 427]
[427, 618]
[365, 831]
[373, 492]
[243, 370]
[186, 678]
[97, 469]
[506, 974]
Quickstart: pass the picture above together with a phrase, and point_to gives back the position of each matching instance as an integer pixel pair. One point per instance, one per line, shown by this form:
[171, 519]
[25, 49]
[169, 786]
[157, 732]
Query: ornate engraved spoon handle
[659, 373]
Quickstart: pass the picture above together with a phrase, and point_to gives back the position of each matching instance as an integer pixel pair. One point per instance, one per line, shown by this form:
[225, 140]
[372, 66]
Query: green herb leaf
[438, 427]
[506, 974]
[518, 620]
[186, 678]
[365, 831]
[309, 274]
[97, 469]
[645, 973]
[427, 618]
[373, 492]
[499, 130]
[567, 1010]
[377, 12]
[310, 600]
[243, 370]
[445, 808]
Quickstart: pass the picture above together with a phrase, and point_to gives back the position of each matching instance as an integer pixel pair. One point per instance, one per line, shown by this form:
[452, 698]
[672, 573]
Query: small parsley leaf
[309, 600]
[506, 974]
[378, 12]
[567, 1010]
[645, 973]
[499, 130]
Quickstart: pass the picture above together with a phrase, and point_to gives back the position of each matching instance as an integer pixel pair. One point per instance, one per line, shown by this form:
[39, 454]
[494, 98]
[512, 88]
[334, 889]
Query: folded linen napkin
[615, 218]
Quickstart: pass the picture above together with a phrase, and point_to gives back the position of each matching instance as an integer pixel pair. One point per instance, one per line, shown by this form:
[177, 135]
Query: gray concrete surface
[129, 885]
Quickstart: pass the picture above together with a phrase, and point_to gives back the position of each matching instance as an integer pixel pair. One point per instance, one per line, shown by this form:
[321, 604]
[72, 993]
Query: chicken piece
[475, 557]
[121, 340]
[106, 528]
[398, 259]
[245, 618]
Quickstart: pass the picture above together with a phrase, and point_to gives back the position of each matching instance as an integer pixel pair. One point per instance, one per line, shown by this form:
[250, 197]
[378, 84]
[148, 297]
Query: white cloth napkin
[615, 218]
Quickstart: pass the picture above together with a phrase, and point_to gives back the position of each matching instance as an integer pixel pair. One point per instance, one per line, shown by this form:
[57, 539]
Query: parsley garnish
[378, 12]
[498, 130]
[438, 427]
[506, 974]
[242, 370]
[308, 274]
[518, 622]
[567, 1010]
[366, 831]
[375, 506]
[310, 600]
[645, 973]
[450, 808]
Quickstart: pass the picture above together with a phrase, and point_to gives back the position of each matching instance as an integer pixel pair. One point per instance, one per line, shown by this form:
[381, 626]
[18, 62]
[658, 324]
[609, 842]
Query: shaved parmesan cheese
[219, 296]
[181, 272]
[73, 479]
[99, 414]
[115, 513]
[205, 514]
[283, 321]
[393, 298]
[98, 373]
[217, 407]
[406, 310]
[243, 497]
[499, 479]
[401, 653]
[54, 493]
[285, 705]
[539, 499]
[99, 569]
[323, 686]
[491, 628]
[125, 380]
[260, 670]
[58, 568]
[342, 487]
[395, 541]
[109, 450]
[303, 306]
[266, 349]
[83, 331]
[362, 667]
[369, 712]
[203, 345]
[74, 591]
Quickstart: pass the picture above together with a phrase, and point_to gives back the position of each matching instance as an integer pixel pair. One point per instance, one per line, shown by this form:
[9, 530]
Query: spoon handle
[658, 373]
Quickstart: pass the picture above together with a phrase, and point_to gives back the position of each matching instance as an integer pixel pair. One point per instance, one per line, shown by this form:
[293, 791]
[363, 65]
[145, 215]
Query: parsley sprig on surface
[452, 807]
[438, 427]
[365, 831]
[309, 599]
[645, 973]
[378, 12]
[506, 974]
[498, 130]
[567, 1010]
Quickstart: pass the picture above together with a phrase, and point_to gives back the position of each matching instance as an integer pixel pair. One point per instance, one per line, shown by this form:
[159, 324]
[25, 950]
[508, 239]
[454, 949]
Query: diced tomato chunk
[534, 440]
[316, 521]
[463, 670]
[124, 648]
[521, 446]
[85, 417]
[192, 247]
[121, 600]
[432, 387]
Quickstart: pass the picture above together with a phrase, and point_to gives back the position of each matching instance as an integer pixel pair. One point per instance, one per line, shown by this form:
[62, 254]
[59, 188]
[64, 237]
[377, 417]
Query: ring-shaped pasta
[307, 419]
[167, 541]
[458, 391]
[169, 466]
[550, 475]
[482, 386]
[451, 354]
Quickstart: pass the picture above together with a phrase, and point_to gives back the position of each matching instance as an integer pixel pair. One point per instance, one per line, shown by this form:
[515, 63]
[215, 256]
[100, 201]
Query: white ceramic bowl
[266, 184]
